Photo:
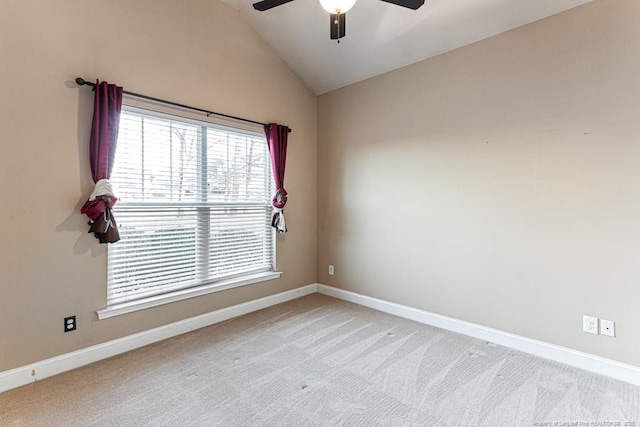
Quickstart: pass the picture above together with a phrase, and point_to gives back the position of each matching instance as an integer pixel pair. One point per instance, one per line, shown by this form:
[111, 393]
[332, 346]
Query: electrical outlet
[608, 328]
[590, 324]
[331, 270]
[70, 323]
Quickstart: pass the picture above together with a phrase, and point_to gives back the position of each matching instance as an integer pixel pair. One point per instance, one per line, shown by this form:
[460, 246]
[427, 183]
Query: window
[194, 207]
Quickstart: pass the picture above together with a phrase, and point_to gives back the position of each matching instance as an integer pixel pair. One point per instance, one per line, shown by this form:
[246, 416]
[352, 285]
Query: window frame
[206, 285]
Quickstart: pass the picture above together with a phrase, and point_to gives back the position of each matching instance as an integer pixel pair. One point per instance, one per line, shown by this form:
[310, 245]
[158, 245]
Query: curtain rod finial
[80, 81]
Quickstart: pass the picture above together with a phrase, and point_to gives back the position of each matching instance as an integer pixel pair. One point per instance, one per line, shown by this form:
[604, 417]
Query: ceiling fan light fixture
[337, 6]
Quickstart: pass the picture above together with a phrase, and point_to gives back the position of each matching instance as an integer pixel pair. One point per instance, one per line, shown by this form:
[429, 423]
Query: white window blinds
[194, 205]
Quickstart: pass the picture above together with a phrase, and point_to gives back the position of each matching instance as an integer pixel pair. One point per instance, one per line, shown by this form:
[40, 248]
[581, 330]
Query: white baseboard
[578, 359]
[66, 362]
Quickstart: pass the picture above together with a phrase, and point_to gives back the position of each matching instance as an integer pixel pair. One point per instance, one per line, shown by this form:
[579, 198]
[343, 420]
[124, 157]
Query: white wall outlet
[590, 324]
[608, 328]
[331, 270]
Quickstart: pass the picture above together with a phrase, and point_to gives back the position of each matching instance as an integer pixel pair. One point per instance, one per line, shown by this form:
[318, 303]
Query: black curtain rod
[81, 82]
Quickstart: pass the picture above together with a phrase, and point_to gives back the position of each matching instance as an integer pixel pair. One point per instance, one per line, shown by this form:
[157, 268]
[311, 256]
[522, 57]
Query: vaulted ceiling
[380, 36]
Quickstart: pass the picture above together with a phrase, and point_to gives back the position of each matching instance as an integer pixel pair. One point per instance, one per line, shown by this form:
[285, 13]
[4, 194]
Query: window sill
[130, 307]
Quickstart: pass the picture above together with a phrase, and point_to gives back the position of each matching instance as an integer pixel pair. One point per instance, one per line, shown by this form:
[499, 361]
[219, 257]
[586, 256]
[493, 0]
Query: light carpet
[321, 361]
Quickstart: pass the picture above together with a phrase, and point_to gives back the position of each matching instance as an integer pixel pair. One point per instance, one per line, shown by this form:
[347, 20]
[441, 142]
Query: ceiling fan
[337, 9]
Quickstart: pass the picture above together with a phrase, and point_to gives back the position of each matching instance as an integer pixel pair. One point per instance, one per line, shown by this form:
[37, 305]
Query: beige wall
[498, 183]
[198, 52]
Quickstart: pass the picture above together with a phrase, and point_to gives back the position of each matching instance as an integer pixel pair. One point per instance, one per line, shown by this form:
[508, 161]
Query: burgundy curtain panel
[277, 138]
[104, 137]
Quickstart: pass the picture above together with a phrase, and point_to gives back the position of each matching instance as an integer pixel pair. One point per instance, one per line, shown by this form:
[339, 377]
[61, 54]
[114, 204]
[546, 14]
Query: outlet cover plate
[607, 327]
[590, 324]
[331, 270]
[70, 323]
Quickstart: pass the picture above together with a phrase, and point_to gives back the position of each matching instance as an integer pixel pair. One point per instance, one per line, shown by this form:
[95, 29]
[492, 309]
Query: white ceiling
[380, 36]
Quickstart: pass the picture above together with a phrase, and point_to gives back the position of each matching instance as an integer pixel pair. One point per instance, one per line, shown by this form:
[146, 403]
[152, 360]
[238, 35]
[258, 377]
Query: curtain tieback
[280, 198]
[278, 220]
[102, 188]
[107, 218]
[102, 198]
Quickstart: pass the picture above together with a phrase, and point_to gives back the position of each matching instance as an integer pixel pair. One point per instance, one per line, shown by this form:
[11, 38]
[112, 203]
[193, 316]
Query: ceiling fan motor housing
[337, 10]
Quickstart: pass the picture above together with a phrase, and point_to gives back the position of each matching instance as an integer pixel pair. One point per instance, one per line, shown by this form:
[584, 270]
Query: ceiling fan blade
[410, 4]
[268, 4]
[338, 26]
